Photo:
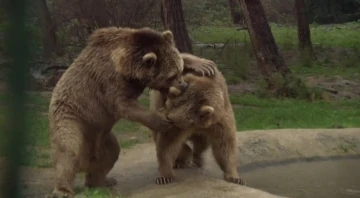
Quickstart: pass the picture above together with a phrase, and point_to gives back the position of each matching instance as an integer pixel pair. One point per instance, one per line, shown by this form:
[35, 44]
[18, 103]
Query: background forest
[288, 63]
[214, 29]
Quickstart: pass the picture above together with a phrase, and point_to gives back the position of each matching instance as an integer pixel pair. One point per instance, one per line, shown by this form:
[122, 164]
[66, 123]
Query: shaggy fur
[100, 87]
[202, 114]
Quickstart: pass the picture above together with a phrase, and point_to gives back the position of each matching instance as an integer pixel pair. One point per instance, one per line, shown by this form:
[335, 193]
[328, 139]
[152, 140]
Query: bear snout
[183, 85]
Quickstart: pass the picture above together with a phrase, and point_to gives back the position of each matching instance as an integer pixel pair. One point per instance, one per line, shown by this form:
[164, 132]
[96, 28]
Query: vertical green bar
[18, 50]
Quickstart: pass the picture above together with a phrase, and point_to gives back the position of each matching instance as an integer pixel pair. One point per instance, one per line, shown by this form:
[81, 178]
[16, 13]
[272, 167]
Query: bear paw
[110, 181]
[163, 180]
[198, 162]
[237, 181]
[182, 165]
[179, 166]
[161, 123]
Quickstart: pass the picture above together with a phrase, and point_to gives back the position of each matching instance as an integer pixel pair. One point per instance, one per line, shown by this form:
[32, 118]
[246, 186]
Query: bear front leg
[108, 153]
[168, 146]
[154, 120]
[184, 159]
[224, 150]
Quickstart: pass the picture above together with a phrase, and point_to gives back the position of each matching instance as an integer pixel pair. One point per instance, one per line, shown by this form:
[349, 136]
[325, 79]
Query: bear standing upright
[100, 87]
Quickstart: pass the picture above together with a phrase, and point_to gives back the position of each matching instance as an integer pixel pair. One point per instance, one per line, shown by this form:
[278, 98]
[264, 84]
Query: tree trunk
[92, 13]
[48, 30]
[305, 45]
[236, 15]
[267, 53]
[173, 19]
[333, 10]
[303, 25]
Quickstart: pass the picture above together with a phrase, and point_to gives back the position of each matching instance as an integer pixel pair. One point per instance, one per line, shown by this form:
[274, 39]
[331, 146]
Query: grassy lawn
[255, 113]
[95, 193]
[251, 113]
[336, 35]
[337, 50]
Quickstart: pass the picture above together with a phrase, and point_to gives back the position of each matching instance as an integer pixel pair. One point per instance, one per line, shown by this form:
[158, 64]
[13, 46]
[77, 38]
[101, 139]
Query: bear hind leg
[108, 151]
[201, 144]
[184, 160]
[66, 146]
[65, 170]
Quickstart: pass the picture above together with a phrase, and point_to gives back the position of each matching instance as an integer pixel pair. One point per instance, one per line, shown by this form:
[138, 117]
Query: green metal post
[18, 50]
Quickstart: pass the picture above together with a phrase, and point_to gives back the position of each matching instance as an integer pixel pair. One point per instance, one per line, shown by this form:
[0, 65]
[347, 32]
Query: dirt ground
[336, 86]
[136, 168]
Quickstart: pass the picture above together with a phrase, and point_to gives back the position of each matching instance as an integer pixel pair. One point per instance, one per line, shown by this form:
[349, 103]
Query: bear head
[195, 106]
[143, 55]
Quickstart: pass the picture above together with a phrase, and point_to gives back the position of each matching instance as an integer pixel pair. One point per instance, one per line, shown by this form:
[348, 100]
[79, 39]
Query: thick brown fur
[100, 87]
[202, 114]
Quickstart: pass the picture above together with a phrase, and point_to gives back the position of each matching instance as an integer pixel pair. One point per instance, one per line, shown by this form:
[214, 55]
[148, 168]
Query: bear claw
[163, 180]
[238, 181]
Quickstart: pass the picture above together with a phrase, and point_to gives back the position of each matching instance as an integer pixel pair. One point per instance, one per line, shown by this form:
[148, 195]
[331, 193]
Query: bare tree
[48, 29]
[304, 37]
[173, 19]
[267, 53]
[93, 14]
[236, 15]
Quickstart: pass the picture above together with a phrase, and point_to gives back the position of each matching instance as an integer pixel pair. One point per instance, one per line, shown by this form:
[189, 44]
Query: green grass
[336, 35]
[126, 126]
[255, 113]
[250, 111]
[95, 193]
[237, 61]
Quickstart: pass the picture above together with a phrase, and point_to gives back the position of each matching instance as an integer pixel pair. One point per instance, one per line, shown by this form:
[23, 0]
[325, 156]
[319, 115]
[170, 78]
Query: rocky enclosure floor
[136, 168]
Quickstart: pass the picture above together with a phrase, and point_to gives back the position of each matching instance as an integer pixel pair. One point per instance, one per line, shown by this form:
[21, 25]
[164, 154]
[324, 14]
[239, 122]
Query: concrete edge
[259, 148]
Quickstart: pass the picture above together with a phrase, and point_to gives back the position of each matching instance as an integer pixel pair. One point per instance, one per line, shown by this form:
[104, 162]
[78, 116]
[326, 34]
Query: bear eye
[171, 78]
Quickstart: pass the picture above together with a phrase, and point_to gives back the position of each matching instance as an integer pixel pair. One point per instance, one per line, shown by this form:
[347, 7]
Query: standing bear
[202, 114]
[101, 86]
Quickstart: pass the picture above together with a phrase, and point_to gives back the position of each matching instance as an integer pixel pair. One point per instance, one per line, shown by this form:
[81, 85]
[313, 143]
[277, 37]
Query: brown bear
[100, 87]
[202, 114]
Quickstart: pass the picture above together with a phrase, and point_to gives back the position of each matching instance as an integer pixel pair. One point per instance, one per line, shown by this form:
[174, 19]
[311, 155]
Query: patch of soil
[244, 87]
[336, 86]
[3, 86]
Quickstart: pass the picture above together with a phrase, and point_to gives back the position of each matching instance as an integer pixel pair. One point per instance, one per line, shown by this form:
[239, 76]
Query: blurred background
[311, 47]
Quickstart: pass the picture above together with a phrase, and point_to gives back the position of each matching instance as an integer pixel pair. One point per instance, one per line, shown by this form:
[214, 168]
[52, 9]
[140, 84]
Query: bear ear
[206, 111]
[149, 59]
[173, 91]
[168, 35]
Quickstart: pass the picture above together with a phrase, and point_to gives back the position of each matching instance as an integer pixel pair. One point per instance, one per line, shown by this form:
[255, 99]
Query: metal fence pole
[18, 50]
